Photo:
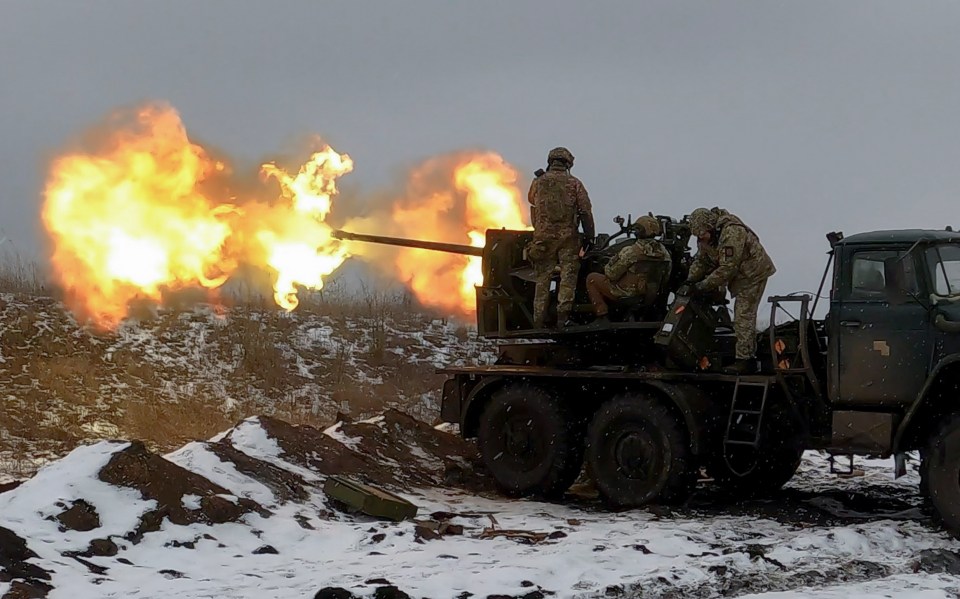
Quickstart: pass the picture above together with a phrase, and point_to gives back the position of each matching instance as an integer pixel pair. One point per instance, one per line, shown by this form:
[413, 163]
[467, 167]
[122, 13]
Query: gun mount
[505, 299]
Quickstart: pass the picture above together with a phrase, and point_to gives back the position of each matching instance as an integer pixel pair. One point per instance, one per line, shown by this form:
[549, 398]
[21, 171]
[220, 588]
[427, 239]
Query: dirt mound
[109, 506]
[29, 580]
[182, 497]
[393, 450]
[309, 447]
[285, 485]
[428, 456]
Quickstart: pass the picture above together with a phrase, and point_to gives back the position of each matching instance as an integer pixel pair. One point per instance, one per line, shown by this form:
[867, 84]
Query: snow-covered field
[244, 514]
[255, 523]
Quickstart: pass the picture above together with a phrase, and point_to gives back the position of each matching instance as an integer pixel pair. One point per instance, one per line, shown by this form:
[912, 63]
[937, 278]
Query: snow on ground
[821, 537]
[335, 432]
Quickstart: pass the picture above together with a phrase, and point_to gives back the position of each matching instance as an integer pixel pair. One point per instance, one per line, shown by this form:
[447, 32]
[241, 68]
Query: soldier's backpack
[556, 206]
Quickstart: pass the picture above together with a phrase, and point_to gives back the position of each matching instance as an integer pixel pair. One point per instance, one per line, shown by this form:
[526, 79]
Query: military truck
[645, 406]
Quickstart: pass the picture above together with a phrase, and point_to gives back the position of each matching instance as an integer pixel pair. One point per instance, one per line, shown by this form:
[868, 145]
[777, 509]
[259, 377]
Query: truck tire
[776, 460]
[529, 442]
[638, 452]
[942, 468]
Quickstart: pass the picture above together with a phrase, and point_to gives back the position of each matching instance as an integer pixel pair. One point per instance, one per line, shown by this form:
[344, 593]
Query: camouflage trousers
[600, 289]
[745, 307]
[552, 252]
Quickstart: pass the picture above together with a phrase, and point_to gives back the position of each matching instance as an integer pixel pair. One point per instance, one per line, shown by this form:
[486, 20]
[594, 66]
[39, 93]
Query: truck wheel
[638, 452]
[941, 464]
[529, 443]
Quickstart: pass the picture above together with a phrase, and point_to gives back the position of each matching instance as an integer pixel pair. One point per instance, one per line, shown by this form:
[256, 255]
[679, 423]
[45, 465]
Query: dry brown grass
[166, 425]
[58, 373]
[19, 274]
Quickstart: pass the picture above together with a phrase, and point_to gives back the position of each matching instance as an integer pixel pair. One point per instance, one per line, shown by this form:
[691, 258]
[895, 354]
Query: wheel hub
[637, 455]
[517, 438]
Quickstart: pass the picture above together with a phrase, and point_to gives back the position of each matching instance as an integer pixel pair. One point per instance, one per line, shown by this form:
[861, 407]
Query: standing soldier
[627, 274]
[731, 256]
[559, 205]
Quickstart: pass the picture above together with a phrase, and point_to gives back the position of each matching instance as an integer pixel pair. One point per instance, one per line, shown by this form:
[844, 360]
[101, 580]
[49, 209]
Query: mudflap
[451, 400]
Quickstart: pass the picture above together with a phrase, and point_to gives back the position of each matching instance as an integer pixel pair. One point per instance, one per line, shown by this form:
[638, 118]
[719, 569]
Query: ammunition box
[687, 333]
[368, 500]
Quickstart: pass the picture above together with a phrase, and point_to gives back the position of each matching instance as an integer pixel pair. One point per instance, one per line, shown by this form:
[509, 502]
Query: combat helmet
[560, 154]
[647, 226]
[702, 220]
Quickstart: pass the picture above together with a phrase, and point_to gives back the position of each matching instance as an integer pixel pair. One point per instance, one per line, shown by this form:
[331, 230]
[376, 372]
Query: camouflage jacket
[737, 260]
[559, 203]
[623, 271]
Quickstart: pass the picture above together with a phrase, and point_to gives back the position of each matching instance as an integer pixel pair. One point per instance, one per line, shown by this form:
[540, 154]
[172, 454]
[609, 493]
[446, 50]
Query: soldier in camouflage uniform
[730, 255]
[627, 274]
[559, 205]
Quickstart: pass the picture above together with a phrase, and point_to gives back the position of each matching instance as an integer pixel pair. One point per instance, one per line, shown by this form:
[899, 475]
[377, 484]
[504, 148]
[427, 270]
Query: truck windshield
[944, 264]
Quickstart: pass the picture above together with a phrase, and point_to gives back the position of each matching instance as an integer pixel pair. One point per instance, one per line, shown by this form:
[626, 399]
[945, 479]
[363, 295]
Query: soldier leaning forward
[627, 274]
[731, 255]
[559, 205]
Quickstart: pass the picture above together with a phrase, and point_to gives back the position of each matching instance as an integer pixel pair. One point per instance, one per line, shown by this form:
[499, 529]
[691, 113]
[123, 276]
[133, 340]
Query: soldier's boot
[742, 366]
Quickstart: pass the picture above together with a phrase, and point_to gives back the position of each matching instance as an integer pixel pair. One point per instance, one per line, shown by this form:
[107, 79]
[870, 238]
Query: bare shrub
[166, 425]
[19, 274]
[255, 346]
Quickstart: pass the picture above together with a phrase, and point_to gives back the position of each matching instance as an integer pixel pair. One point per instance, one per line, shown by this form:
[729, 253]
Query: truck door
[884, 348]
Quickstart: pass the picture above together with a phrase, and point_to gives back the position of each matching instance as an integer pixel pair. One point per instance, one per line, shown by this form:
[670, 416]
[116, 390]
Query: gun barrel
[436, 246]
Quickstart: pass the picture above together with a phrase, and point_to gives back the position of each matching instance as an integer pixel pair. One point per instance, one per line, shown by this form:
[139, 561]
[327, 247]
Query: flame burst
[303, 251]
[137, 214]
[143, 211]
[452, 199]
[492, 201]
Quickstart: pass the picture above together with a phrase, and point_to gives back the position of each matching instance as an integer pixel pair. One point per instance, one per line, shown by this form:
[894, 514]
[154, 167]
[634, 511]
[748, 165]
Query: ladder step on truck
[745, 421]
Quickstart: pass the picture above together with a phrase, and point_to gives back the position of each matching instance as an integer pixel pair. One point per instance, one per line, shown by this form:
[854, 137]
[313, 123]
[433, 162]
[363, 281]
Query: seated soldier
[625, 276]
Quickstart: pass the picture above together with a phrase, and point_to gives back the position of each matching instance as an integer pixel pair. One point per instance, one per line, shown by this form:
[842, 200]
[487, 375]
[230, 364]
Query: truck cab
[883, 367]
[894, 295]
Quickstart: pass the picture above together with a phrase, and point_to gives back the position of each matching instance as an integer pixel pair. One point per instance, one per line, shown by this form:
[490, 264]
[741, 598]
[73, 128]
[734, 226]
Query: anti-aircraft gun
[505, 300]
[642, 404]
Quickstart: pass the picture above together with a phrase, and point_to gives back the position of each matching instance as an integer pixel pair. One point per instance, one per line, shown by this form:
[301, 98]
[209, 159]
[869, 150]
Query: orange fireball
[127, 220]
[300, 246]
[453, 199]
[142, 210]
[131, 217]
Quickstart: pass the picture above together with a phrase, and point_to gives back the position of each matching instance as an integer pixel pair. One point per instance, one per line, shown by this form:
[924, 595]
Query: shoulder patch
[728, 251]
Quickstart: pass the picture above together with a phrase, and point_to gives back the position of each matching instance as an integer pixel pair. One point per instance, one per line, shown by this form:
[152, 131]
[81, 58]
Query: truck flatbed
[606, 372]
[578, 329]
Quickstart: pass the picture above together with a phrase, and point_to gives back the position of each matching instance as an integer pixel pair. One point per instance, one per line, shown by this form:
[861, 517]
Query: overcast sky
[802, 117]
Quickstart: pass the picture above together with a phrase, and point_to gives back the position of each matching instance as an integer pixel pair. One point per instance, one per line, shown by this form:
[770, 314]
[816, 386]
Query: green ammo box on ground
[369, 500]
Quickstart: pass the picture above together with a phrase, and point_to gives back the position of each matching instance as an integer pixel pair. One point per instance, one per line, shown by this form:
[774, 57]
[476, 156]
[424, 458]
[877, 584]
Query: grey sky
[801, 117]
